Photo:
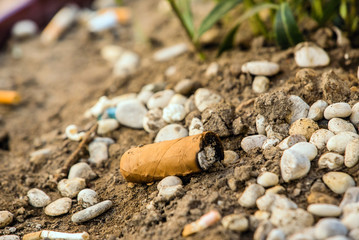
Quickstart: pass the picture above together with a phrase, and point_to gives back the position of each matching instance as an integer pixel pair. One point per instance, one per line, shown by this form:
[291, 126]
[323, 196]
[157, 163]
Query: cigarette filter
[123, 14]
[9, 97]
[177, 157]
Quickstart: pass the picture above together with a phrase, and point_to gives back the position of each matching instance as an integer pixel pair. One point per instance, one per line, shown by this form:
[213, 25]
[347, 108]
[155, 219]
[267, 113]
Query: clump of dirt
[218, 118]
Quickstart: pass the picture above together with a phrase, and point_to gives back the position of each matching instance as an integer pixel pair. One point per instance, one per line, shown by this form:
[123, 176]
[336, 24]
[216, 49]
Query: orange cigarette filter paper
[177, 157]
[9, 97]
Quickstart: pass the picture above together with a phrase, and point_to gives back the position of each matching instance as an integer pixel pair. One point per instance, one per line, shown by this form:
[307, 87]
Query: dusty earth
[59, 83]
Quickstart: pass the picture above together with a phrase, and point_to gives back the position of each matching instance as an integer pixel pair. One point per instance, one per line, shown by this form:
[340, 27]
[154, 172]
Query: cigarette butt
[59, 23]
[204, 222]
[9, 97]
[46, 234]
[177, 157]
[123, 14]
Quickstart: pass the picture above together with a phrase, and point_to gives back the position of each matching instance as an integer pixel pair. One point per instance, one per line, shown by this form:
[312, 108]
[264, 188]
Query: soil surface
[59, 83]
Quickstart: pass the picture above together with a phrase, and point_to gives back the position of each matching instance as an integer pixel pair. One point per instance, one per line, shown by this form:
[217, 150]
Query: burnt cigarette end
[211, 151]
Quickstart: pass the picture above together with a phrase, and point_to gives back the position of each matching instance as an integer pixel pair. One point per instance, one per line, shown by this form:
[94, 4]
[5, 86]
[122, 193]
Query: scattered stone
[170, 132]
[338, 182]
[39, 157]
[261, 124]
[276, 190]
[106, 126]
[354, 118]
[316, 111]
[337, 110]
[290, 141]
[330, 160]
[308, 54]
[305, 234]
[250, 195]
[71, 187]
[9, 237]
[170, 71]
[339, 142]
[144, 96]
[303, 126]
[351, 196]
[318, 197]
[72, 133]
[294, 165]
[306, 149]
[268, 179]
[58, 207]
[230, 157]
[126, 65]
[351, 157]
[262, 215]
[235, 222]
[270, 142]
[324, 210]
[6, 218]
[87, 197]
[218, 118]
[354, 234]
[271, 201]
[276, 234]
[203, 98]
[261, 230]
[196, 127]
[178, 99]
[350, 217]
[279, 131]
[260, 84]
[130, 113]
[174, 113]
[168, 53]
[320, 138]
[98, 153]
[38, 198]
[91, 212]
[299, 109]
[81, 170]
[212, 69]
[337, 125]
[169, 192]
[153, 121]
[24, 29]
[251, 142]
[264, 68]
[169, 181]
[111, 53]
[106, 140]
[329, 227]
[185, 86]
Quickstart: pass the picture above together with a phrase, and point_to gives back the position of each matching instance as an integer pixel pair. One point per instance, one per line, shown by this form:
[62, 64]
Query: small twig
[72, 159]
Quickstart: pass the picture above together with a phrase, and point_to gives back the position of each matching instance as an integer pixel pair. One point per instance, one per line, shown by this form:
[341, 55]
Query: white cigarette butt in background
[45, 234]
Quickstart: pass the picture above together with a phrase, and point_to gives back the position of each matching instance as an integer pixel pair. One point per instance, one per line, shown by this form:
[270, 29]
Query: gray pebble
[98, 153]
[170, 132]
[71, 187]
[203, 98]
[160, 99]
[329, 227]
[87, 197]
[251, 142]
[91, 212]
[38, 198]
[299, 109]
[81, 170]
[6, 218]
[130, 113]
[337, 110]
[58, 207]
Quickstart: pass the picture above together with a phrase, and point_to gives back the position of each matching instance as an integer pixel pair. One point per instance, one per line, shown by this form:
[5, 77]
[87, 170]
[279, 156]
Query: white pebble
[204, 98]
[58, 207]
[6, 218]
[178, 99]
[351, 156]
[98, 153]
[144, 96]
[264, 68]
[174, 113]
[111, 53]
[185, 86]
[307, 149]
[230, 157]
[169, 181]
[316, 111]
[24, 28]
[268, 179]
[320, 138]
[329, 227]
[305, 234]
[38, 198]
[87, 197]
[170, 132]
[100, 106]
[330, 160]
[339, 142]
[261, 124]
[106, 140]
[81, 170]
[196, 127]
[9, 237]
[168, 53]
[324, 210]
[354, 234]
[337, 110]
[130, 113]
[153, 121]
[303, 126]
[212, 69]
[351, 219]
[71, 187]
[351, 196]
[293, 165]
[270, 142]
[276, 190]
[72, 133]
[354, 118]
[338, 182]
[260, 84]
[271, 201]
[235, 222]
[91, 212]
[40, 156]
[126, 65]
[310, 55]
[251, 142]
[169, 192]
[170, 71]
[276, 234]
[290, 141]
[124, 97]
[338, 237]
[299, 109]
[262, 215]
[337, 125]
[160, 99]
[106, 126]
[250, 195]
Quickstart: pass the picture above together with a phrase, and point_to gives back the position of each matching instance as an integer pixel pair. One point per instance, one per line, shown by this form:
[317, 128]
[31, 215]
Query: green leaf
[329, 11]
[228, 40]
[186, 15]
[215, 15]
[286, 30]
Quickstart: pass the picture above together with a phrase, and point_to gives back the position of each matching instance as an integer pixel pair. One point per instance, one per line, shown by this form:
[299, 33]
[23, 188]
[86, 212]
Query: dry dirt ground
[59, 83]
